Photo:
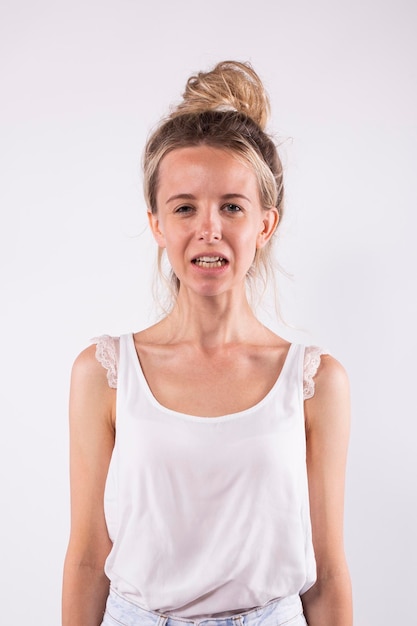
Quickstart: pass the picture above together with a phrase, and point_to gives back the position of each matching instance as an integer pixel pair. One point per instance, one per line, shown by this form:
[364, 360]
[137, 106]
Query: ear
[156, 229]
[270, 219]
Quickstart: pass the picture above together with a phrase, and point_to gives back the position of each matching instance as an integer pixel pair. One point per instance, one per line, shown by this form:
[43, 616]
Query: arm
[92, 409]
[327, 413]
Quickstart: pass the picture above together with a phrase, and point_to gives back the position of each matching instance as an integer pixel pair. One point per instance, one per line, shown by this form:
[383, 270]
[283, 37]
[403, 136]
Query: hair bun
[230, 85]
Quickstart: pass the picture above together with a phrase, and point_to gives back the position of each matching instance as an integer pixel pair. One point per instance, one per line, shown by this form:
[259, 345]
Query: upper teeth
[209, 259]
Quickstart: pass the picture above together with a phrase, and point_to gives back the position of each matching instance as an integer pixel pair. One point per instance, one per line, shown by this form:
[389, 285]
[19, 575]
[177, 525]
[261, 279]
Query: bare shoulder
[331, 376]
[89, 385]
[86, 361]
[87, 370]
[331, 398]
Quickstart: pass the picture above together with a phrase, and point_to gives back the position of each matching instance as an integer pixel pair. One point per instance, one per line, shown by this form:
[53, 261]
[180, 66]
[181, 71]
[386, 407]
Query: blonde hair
[226, 108]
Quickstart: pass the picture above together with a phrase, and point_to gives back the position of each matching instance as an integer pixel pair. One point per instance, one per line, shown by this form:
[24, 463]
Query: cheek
[250, 239]
[175, 244]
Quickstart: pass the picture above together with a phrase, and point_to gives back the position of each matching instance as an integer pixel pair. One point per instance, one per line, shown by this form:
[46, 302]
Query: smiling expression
[209, 218]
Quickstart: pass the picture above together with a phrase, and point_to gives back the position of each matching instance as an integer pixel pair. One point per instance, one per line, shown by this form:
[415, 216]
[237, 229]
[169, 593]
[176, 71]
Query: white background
[82, 84]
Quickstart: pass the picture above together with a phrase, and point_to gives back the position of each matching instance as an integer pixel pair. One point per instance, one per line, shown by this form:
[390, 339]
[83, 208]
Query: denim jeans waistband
[127, 613]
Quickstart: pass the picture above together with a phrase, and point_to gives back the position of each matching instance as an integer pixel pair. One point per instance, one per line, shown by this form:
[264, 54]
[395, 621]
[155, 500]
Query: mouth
[209, 261]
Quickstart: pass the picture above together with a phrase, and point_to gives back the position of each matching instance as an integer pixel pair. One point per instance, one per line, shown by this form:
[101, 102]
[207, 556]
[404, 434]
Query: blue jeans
[288, 611]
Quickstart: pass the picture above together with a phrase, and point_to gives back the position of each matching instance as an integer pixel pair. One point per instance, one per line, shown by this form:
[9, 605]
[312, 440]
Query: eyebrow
[181, 196]
[190, 196]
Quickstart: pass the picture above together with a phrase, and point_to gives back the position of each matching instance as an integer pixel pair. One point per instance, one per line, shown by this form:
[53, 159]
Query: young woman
[208, 453]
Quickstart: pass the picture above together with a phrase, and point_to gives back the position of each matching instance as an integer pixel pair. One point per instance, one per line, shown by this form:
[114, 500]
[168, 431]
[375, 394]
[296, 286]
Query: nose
[209, 227]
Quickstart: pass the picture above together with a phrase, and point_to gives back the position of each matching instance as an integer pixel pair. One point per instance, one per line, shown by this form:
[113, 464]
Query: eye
[232, 208]
[185, 208]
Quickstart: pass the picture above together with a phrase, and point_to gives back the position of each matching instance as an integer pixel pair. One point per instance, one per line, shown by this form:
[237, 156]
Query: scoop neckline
[202, 418]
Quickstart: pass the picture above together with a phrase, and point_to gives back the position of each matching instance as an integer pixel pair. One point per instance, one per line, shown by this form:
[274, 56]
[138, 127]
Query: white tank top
[208, 515]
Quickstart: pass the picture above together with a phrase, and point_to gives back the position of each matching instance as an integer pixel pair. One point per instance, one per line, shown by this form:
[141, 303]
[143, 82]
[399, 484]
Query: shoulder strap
[312, 356]
[107, 354]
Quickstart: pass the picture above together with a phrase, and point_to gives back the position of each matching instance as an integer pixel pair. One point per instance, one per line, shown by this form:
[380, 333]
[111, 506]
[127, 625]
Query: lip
[214, 267]
[212, 254]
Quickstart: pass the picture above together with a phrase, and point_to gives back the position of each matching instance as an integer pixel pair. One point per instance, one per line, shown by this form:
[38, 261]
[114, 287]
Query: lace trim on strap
[107, 354]
[311, 365]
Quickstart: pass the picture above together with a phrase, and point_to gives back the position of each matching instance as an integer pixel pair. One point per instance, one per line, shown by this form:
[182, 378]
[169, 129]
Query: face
[209, 218]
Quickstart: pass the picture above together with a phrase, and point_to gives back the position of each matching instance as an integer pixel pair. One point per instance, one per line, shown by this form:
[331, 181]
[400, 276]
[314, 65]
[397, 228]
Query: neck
[213, 321]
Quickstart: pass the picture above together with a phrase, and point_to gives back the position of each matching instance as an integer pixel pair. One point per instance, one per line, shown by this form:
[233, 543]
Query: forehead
[205, 167]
